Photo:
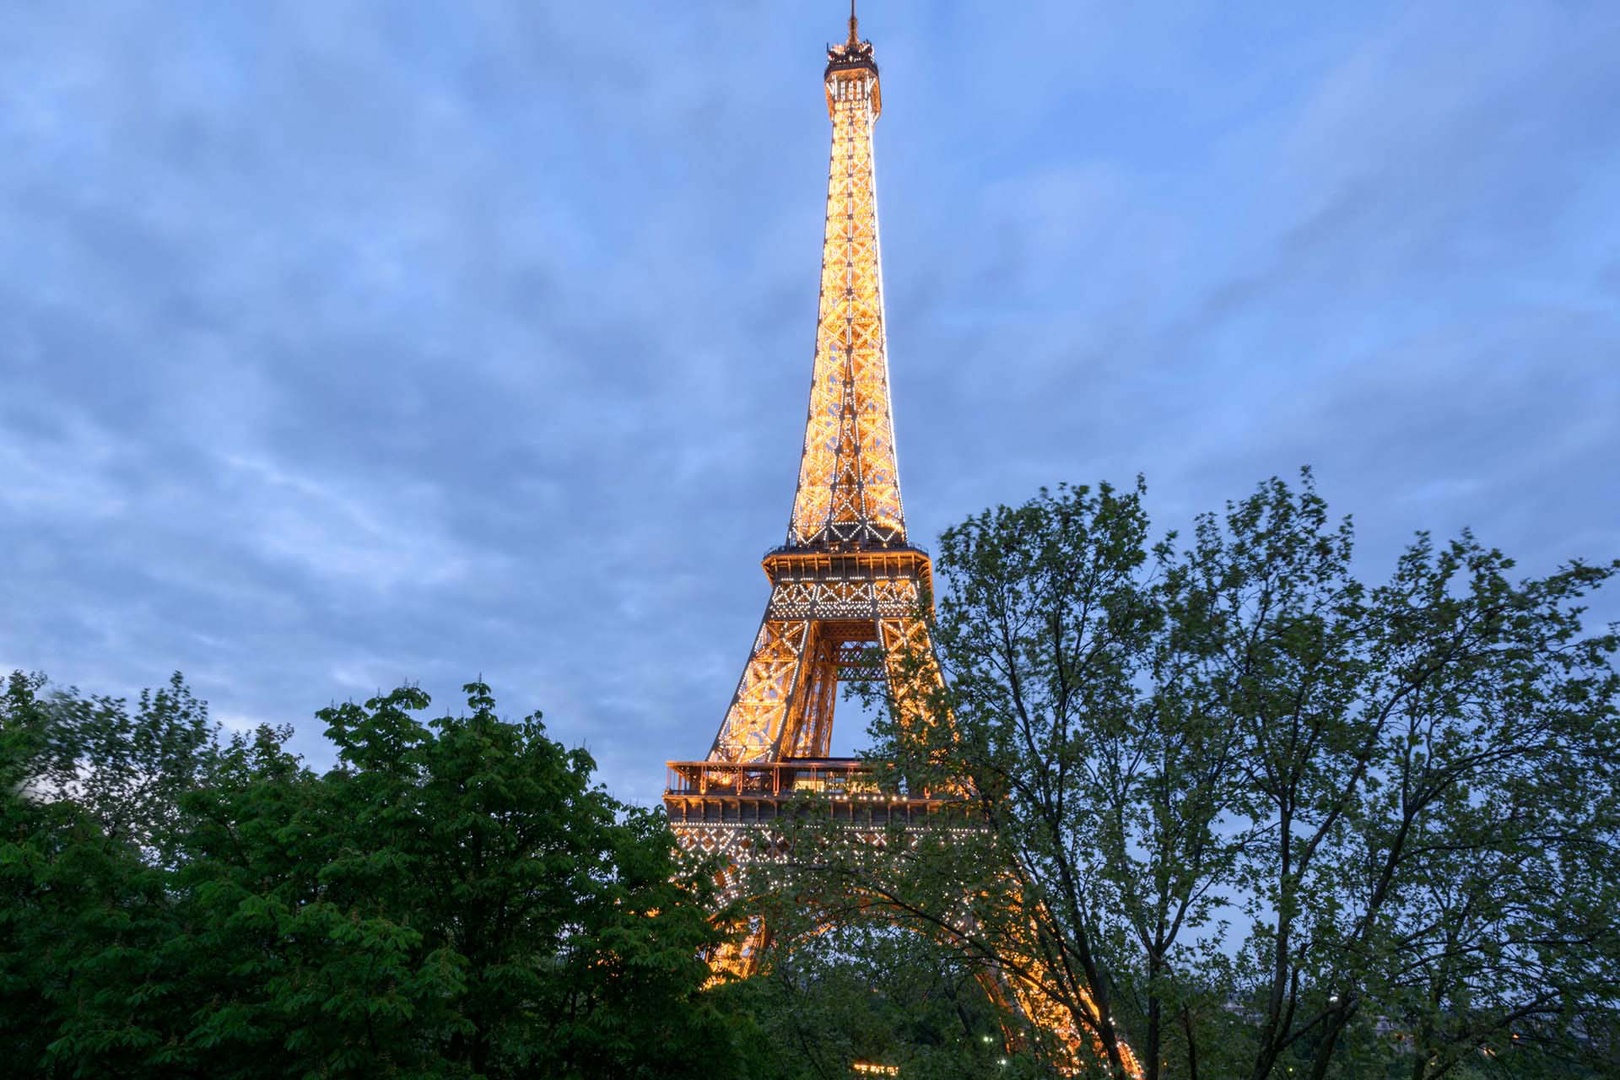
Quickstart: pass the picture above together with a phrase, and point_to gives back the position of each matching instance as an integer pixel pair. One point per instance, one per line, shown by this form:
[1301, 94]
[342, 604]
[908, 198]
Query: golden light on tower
[846, 578]
[849, 479]
[847, 588]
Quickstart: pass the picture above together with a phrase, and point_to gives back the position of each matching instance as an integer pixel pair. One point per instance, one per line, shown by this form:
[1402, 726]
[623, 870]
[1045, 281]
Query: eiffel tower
[847, 587]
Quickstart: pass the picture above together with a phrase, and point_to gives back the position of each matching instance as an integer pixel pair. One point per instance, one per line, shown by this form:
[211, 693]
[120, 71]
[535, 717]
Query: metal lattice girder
[822, 603]
[846, 560]
[848, 594]
[753, 725]
[849, 478]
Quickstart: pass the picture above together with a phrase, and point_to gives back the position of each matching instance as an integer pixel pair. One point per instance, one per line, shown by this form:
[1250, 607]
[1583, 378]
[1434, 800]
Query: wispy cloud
[343, 346]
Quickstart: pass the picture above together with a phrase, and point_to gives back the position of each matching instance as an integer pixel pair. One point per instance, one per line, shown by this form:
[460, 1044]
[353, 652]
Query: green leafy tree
[82, 913]
[455, 898]
[866, 991]
[1253, 816]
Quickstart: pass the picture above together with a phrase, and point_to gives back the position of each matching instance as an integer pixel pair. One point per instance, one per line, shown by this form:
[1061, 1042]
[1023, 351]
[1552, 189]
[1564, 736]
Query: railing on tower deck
[833, 776]
[902, 548]
[838, 777]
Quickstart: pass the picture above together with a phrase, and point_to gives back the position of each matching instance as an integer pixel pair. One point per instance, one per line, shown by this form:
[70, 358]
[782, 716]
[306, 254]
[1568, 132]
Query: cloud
[345, 347]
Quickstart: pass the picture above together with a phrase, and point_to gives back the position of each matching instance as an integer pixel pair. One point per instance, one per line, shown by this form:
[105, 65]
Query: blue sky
[347, 343]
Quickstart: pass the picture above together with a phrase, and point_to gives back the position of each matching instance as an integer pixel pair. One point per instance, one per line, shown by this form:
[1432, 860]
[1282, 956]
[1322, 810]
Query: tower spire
[849, 481]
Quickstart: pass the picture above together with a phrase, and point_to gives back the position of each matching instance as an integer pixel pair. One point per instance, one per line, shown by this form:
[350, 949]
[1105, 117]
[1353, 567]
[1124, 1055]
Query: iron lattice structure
[846, 579]
[848, 590]
[849, 593]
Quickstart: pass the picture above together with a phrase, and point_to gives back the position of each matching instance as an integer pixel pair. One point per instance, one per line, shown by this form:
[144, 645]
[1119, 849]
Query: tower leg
[753, 726]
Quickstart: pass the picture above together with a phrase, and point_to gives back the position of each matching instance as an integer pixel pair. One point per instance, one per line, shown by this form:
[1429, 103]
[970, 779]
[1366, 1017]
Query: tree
[1252, 815]
[82, 912]
[455, 898]
[126, 768]
[844, 991]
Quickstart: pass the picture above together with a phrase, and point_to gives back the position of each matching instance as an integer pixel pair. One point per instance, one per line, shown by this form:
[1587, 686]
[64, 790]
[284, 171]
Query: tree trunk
[1150, 1045]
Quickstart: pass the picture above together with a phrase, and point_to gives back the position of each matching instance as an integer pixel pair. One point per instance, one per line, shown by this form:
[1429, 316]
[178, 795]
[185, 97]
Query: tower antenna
[852, 38]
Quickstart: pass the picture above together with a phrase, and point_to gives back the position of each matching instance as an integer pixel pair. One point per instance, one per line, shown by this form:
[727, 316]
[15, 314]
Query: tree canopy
[1228, 804]
[454, 898]
[1254, 816]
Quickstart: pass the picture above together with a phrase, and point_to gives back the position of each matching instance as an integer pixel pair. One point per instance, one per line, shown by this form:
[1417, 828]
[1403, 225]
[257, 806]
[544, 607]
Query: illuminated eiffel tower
[848, 591]
[847, 588]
